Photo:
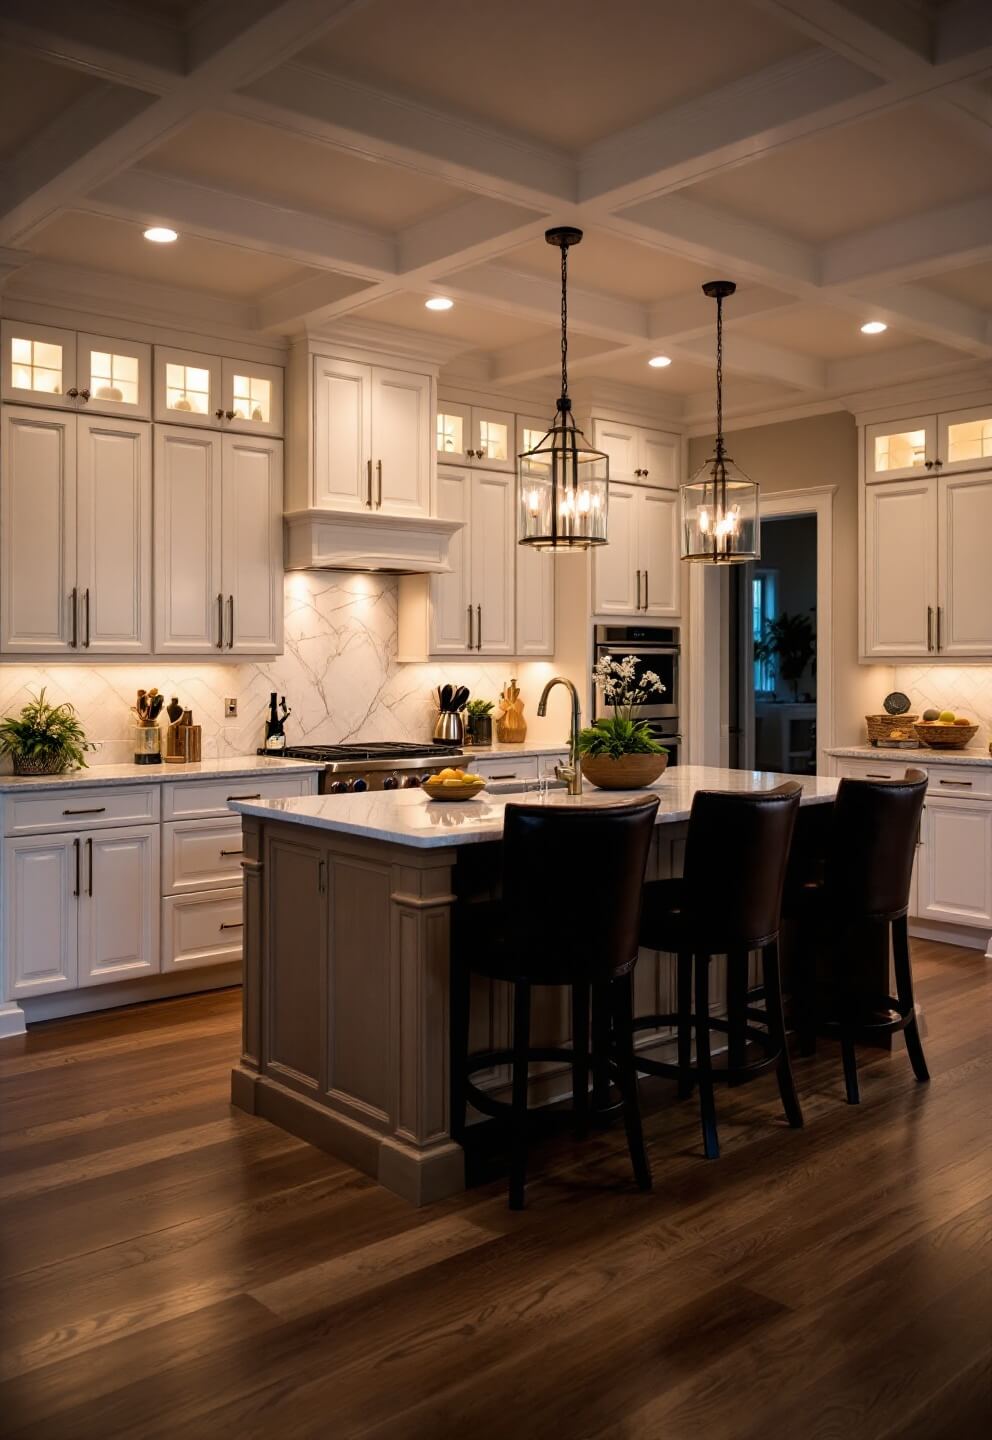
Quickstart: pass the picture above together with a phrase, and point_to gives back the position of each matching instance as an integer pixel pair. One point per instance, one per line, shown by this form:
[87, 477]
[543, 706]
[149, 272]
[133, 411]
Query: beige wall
[805, 454]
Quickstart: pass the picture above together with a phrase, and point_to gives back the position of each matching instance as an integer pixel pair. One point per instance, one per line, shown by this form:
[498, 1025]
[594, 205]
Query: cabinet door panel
[39, 364]
[188, 597]
[114, 535]
[453, 436]
[117, 374]
[187, 387]
[40, 914]
[657, 532]
[620, 443]
[659, 460]
[342, 435]
[492, 542]
[119, 905]
[252, 575]
[900, 567]
[901, 449]
[964, 529]
[251, 397]
[964, 439]
[955, 876]
[615, 564]
[535, 602]
[401, 444]
[493, 432]
[38, 496]
[451, 596]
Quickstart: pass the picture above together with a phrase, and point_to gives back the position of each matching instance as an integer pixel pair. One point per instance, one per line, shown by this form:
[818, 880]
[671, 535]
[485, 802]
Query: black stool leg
[461, 981]
[518, 1138]
[704, 1066]
[849, 1002]
[623, 1032]
[736, 1013]
[683, 1002]
[904, 993]
[776, 1030]
[580, 1058]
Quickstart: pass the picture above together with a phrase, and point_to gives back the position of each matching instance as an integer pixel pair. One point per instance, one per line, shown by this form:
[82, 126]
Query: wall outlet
[231, 708]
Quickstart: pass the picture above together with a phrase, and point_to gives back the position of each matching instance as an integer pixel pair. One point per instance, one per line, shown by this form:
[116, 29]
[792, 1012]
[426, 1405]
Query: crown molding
[393, 339]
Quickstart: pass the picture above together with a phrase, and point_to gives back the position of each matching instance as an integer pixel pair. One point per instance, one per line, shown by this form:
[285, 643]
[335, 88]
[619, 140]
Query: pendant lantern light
[719, 505]
[563, 484]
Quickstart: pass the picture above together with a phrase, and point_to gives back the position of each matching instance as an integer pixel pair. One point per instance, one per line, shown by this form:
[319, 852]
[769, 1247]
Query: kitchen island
[352, 904]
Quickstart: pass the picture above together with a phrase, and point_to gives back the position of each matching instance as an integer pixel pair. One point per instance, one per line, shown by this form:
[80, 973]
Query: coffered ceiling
[333, 159]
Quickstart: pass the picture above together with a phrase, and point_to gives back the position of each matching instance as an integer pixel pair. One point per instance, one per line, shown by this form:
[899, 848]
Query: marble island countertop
[141, 774]
[409, 817]
[921, 754]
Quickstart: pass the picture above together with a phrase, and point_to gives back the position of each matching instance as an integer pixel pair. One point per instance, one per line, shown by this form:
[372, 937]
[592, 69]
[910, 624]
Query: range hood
[368, 540]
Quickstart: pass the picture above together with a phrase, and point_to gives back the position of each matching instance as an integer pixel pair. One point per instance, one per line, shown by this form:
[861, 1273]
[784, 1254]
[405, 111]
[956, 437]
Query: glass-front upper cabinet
[964, 439]
[454, 440]
[901, 449]
[472, 435]
[39, 365]
[188, 387]
[114, 377]
[252, 397]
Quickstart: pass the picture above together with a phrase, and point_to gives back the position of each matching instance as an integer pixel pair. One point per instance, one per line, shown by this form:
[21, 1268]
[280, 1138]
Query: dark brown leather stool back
[570, 915]
[876, 825]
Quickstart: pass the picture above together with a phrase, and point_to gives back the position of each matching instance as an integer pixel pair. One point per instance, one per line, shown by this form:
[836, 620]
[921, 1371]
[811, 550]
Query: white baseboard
[128, 992]
[964, 935]
[11, 1020]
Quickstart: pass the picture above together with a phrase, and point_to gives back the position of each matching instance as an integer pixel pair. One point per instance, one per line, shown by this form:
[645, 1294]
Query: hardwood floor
[174, 1268]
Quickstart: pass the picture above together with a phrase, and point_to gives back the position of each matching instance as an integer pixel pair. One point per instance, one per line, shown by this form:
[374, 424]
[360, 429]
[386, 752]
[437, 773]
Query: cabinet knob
[73, 393]
[84, 395]
[218, 414]
[228, 414]
[928, 464]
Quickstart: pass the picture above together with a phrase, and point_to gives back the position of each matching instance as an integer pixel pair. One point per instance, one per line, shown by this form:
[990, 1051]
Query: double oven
[654, 647]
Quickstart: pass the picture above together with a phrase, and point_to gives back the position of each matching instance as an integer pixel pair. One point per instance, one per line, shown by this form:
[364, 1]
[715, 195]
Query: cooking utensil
[460, 698]
[447, 691]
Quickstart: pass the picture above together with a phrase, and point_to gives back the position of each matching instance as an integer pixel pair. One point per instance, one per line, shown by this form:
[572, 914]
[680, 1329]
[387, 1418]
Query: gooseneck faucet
[572, 772]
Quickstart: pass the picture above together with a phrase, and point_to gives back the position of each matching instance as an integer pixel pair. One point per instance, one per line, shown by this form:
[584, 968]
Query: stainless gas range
[384, 765]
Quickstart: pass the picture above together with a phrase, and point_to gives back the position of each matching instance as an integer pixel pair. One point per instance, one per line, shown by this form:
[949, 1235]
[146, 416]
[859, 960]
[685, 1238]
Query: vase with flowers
[619, 752]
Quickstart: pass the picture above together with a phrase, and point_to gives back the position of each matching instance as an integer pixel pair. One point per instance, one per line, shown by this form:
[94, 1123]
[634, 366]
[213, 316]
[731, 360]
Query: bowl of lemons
[453, 783]
[943, 730]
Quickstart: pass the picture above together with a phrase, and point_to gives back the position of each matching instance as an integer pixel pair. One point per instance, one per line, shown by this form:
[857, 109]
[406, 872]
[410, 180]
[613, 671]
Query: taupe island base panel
[350, 903]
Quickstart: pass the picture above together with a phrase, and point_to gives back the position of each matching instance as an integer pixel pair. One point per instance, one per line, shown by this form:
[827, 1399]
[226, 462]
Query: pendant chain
[564, 321]
[719, 375]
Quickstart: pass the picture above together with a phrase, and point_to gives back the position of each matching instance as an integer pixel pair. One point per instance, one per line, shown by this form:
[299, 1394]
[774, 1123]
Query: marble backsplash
[965, 689]
[339, 674]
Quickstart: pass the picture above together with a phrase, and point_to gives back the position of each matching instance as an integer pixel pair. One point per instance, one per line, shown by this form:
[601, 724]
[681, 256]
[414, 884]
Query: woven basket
[38, 765]
[880, 727]
[945, 737]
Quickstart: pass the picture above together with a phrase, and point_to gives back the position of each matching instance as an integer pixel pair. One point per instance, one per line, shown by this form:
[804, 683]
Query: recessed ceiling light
[873, 327]
[438, 302]
[161, 234]
[659, 361]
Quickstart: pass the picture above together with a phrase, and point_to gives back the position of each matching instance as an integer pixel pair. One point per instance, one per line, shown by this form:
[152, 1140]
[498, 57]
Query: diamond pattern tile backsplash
[965, 689]
[339, 675]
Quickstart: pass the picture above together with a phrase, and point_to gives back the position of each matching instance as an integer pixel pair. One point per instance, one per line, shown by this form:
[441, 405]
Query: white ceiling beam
[714, 237]
[467, 232]
[535, 297]
[910, 362]
[930, 315]
[287, 307]
[124, 47]
[257, 33]
[755, 358]
[536, 359]
[380, 126]
[147, 197]
[910, 249]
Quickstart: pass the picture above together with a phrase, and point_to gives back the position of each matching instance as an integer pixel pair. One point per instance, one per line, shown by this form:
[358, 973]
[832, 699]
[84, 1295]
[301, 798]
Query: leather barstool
[569, 916]
[728, 902]
[865, 886]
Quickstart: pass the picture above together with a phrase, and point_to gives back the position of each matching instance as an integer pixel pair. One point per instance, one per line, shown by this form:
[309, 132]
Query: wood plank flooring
[174, 1268]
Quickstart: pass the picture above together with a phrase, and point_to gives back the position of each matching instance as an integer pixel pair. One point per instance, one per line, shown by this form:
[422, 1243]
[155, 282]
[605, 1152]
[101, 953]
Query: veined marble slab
[922, 755]
[103, 775]
[410, 817]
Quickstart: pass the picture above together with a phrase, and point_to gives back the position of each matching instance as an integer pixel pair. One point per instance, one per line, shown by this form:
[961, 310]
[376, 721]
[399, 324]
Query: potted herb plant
[619, 752]
[479, 729]
[44, 739]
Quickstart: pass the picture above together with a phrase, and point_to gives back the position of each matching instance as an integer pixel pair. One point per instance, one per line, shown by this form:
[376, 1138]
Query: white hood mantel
[368, 540]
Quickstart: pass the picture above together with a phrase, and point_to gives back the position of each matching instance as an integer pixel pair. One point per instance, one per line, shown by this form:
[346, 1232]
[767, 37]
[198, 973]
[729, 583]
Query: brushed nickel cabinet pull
[646, 600]
[964, 784]
[243, 797]
[940, 610]
[220, 622]
[233, 852]
[378, 475]
[89, 862]
[929, 627]
[74, 642]
[87, 810]
[470, 627]
[322, 876]
[230, 615]
[368, 476]
[86, 611]
[478, 616]
[876, 775]
[75, 846]
[638, 589]
[503, 775]
[232, 924]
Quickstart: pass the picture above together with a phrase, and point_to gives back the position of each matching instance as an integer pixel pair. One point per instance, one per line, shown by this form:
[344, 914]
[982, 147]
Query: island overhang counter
[351, 906]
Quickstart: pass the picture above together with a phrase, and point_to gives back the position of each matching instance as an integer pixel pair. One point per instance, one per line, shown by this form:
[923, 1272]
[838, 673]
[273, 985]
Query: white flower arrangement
[621, 687]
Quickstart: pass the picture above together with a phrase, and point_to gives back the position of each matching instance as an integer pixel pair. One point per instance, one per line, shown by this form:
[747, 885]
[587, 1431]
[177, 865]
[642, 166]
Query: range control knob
[359, 784]
[338, 787]
[390, 782]
[412, 782]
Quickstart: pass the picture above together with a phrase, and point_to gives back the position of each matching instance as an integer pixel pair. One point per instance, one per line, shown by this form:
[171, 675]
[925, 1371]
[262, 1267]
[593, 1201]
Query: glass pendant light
[563, 484]
[719, 505]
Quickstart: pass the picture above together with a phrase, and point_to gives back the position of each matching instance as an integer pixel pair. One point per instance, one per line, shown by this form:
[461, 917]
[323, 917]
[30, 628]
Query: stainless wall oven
[657, 648]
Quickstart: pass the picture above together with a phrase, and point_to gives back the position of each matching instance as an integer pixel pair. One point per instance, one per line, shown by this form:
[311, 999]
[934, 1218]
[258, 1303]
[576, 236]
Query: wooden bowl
[442, 790]
[630, 772]
[944, 737]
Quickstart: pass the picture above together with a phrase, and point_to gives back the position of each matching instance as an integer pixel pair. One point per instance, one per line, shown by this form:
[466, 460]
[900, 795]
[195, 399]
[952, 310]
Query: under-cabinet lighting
[161, 234]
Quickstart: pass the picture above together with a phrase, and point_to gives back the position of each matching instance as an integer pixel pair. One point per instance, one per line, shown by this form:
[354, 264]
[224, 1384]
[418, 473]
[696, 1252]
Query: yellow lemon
[447, 774]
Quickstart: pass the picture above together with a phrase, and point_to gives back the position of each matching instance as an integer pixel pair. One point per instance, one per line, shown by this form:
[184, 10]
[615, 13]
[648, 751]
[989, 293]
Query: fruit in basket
[961, 720]
[929, 715]
[946, 717]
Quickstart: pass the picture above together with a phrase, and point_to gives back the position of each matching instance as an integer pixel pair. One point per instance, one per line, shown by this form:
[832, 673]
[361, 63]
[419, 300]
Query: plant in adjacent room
[622, 733]
[44, 739]
[789, 640]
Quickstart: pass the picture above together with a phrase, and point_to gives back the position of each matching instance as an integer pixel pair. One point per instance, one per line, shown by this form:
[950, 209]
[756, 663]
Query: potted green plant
[791, 641]
[479, 727]
[619, 752]
[44, 739]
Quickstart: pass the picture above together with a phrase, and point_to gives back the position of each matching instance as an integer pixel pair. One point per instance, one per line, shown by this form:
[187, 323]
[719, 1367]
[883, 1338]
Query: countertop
[142, 774]
[922, 754]
[512, 752]
[409, 817]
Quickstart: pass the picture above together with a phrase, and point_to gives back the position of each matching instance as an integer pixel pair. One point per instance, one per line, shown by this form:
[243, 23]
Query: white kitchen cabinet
[619, 443]
[188, 387]
[200, 930]
[66, 370]
[452, 619]
[114, 376]
[900, 558]
[118, 905]
[39, 365]
[955, 861]
[901, 449]
[964, 581]
[40, 900]
[535, 602]
[637, 572]
[77, 516]
[476, 434]
[218, 543]
[659, 457]
[371, 438]
[491, 542]
[401, 410]
[251, 545]
[189, 602]
[251, 397]
[638, 455]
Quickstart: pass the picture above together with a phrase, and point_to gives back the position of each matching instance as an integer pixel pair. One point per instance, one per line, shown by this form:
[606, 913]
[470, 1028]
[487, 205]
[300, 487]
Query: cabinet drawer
[200, 855]
[877, 769]
[96, 808]
[970, 783]
[200, 930]
[207, 799]
[507, 768]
